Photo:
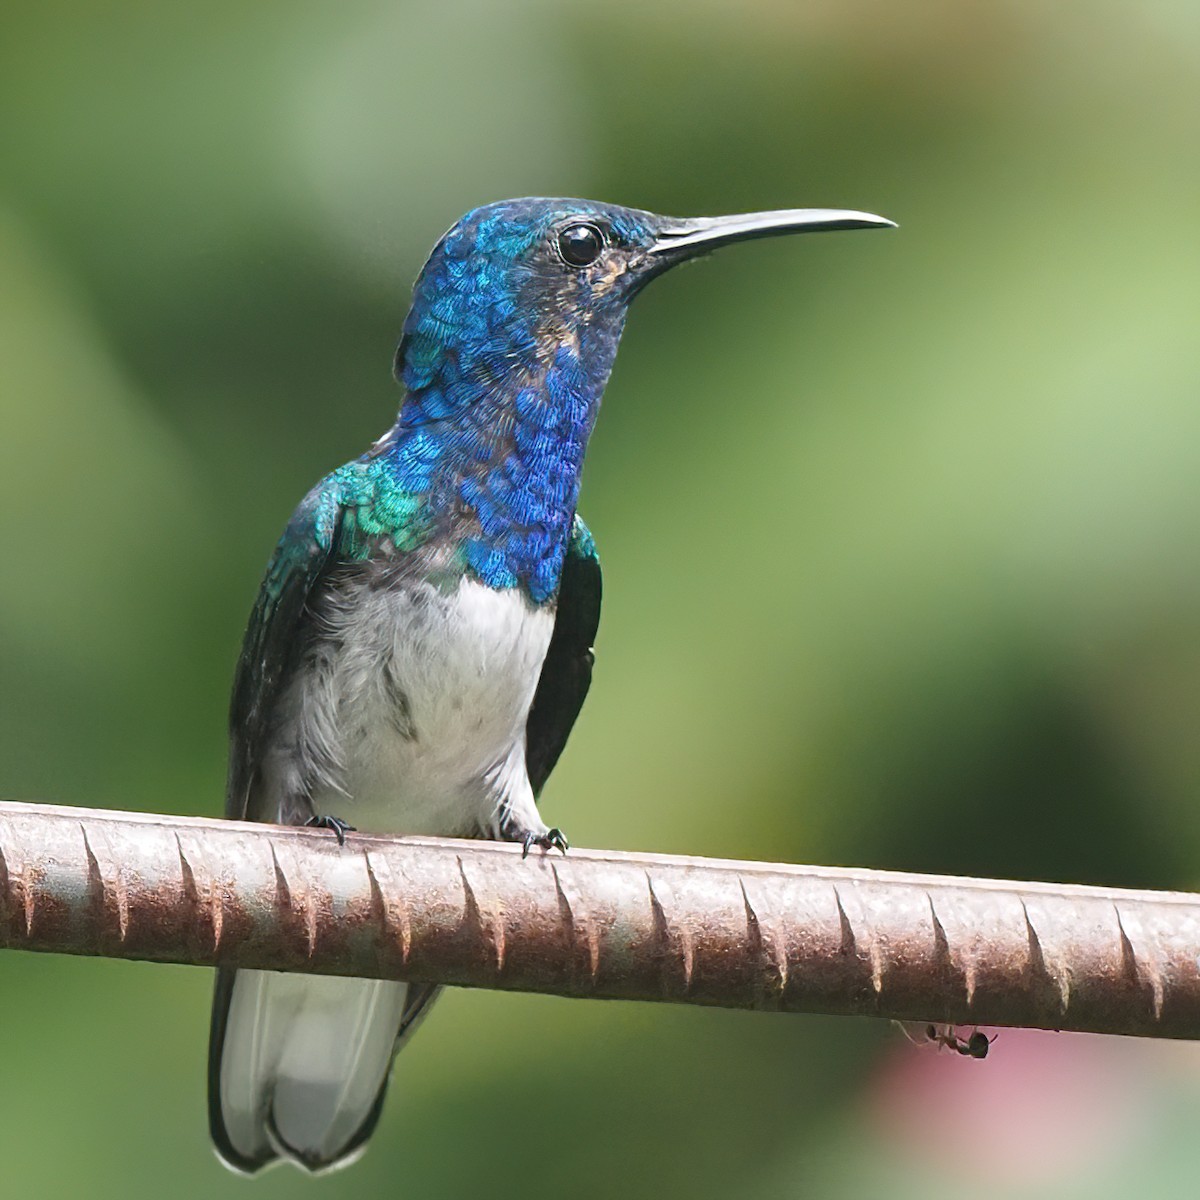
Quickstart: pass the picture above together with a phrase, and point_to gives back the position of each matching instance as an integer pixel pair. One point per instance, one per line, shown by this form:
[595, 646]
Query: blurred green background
[901, 532]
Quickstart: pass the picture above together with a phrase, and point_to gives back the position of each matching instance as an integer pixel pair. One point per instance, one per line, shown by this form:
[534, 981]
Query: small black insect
[976, 1046]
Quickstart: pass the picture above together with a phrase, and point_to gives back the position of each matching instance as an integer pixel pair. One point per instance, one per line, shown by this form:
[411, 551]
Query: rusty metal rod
[600, 924]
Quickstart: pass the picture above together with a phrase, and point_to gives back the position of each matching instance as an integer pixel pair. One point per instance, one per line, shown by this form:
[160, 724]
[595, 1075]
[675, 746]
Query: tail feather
[298, 1064]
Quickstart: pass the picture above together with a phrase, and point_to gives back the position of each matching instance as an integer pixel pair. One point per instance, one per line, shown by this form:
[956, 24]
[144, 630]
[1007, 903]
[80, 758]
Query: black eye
[580, 245]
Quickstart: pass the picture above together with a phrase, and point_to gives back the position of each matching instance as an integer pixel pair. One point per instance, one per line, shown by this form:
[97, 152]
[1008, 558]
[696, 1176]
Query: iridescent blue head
[513, 283]
[514, 326]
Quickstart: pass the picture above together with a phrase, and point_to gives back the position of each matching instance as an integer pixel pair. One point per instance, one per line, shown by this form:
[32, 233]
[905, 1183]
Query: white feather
[410, 716]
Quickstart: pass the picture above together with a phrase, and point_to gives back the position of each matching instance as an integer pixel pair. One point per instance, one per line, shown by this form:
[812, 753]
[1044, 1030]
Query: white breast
[411, 713]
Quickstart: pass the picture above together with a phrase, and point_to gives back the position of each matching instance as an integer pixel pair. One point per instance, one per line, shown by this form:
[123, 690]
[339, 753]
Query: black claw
[552, 839]
[339, 827]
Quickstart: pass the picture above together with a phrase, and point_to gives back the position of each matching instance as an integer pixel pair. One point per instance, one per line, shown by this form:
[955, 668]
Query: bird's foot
[339, 827]
[552, 839]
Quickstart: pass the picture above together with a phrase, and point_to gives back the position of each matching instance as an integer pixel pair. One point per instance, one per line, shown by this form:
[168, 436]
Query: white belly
[413, 710]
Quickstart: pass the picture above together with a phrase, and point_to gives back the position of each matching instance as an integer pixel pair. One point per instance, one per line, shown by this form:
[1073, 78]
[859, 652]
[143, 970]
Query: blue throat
[503, 392]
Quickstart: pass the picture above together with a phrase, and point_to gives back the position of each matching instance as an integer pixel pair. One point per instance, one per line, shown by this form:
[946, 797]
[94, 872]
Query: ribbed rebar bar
[600, 924]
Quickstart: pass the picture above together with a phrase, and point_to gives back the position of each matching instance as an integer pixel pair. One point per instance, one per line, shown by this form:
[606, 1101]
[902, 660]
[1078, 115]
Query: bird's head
[516, 284]
[513, 330]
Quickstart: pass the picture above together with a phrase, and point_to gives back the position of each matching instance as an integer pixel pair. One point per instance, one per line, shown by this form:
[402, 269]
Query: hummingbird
[421, 644]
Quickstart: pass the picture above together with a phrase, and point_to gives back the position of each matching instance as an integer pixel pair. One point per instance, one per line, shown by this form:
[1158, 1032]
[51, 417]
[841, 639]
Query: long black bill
[688, 236]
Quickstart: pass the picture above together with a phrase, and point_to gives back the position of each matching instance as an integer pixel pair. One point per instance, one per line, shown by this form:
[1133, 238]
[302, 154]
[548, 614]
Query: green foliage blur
[901, 531]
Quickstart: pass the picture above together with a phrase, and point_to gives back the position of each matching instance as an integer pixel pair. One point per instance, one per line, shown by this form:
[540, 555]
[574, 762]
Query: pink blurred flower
[1041, 1106]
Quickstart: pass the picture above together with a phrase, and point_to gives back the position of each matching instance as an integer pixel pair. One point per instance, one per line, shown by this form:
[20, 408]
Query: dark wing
[270, 648]
[268, 655]
[567, 670]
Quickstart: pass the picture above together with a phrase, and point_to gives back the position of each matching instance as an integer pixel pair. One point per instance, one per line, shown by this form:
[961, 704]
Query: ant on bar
[976, 1046]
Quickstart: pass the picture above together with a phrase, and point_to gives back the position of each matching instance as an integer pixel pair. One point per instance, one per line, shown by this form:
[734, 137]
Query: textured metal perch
[601, 924]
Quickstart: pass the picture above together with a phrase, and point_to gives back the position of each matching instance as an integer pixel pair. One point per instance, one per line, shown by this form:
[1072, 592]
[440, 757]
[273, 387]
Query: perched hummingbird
[422, 642]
